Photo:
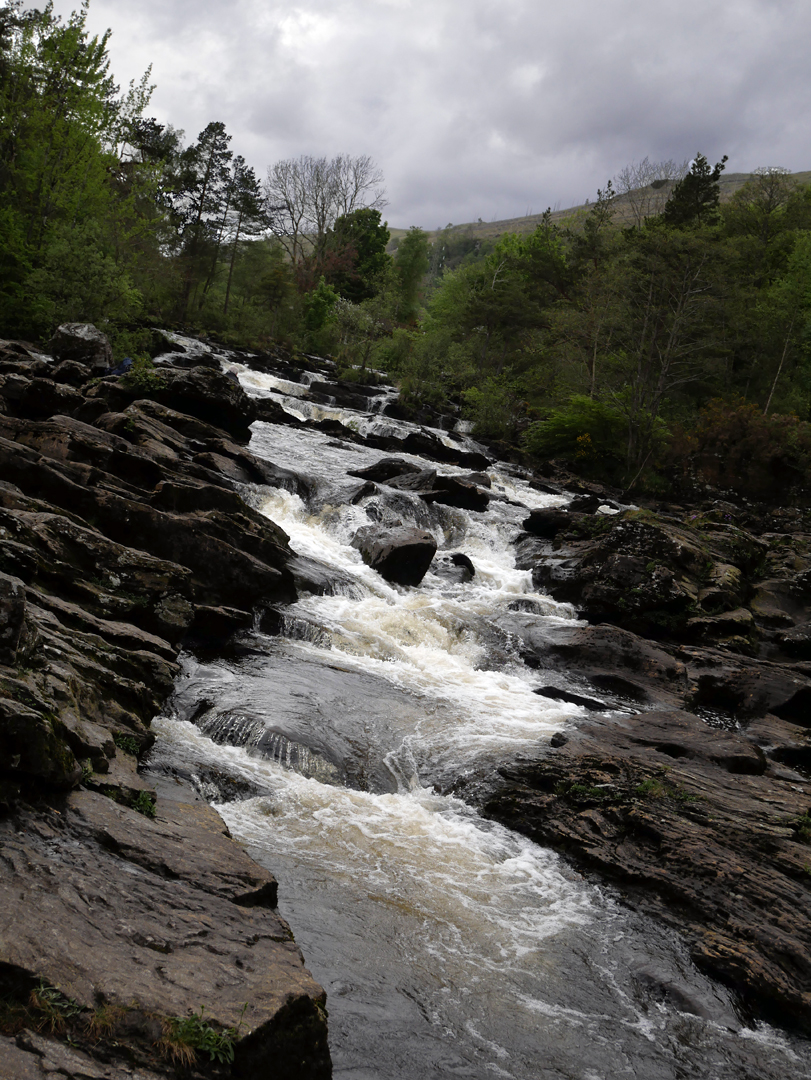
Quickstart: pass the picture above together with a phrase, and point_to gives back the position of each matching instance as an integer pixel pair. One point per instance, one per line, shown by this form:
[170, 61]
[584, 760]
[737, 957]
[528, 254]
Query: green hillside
[489, 230]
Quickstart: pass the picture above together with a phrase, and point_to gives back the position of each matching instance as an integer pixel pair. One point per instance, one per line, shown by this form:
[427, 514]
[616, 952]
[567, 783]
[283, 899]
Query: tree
[61, 119]
[248, 217]
[696, 197]
[410, 267]
[306, 195]
[202, 204]
[643, 187]
[762, 217]
[362, 240]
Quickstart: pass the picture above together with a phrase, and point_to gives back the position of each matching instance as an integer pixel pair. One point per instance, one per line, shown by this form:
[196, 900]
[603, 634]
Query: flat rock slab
[698, 827]
[113, 908]
[32, 1056]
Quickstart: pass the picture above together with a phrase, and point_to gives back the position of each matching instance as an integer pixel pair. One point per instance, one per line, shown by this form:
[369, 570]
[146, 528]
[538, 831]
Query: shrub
[734, 445]
[590, 434]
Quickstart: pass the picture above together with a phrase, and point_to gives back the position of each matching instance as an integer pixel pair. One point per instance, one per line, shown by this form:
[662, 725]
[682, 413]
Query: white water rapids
[448, 945]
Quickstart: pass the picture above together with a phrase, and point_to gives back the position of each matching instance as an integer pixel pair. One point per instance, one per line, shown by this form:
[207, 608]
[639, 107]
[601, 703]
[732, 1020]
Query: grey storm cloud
[476, 109]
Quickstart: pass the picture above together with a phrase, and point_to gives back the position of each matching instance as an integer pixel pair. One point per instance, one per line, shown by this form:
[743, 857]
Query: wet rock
[386, 469]
[454, 491]
[453, 566]
[84, 344]
[200, 392]
[796, 642]
[120, 948]
[697, 828]
[38, 398]
[735, 629]
[121, 536]
[12, 616]
[725, 589]
[427, 445]
[400, 555]
[554, 693]
[420, 481]
[547, 522]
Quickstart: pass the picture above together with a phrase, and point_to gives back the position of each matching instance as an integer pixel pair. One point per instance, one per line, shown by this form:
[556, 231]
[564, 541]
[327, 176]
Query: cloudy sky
[478, 108]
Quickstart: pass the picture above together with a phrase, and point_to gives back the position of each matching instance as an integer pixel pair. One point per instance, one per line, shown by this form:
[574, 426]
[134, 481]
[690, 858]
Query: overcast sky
[478, 108]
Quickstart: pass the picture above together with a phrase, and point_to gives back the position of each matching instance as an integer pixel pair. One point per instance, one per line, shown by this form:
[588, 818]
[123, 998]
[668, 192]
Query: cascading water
[448, 945]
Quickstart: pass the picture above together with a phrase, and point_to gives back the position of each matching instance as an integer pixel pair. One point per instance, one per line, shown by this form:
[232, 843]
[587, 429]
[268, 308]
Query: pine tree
[696, 197]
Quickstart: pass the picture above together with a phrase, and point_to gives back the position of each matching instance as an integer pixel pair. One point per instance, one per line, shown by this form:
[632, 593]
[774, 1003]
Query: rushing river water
[448, 945]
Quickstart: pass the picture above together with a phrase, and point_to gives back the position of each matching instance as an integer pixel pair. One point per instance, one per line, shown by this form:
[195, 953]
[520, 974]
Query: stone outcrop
[84, 344]
[717, 577]
[401, 556]
[698, 826]
[693, 797]
[124, 536]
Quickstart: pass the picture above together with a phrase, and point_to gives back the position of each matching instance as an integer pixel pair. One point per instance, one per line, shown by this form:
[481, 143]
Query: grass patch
[650, 789]
[183, 1037]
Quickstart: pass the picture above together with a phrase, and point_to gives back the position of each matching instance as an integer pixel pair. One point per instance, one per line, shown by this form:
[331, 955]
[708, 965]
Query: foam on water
[448, 944]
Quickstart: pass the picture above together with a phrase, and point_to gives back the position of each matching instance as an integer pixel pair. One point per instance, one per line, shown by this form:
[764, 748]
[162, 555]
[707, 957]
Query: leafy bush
[734, 445]
[496, 408]
[144, 803]
[588, 433]
[143, 376]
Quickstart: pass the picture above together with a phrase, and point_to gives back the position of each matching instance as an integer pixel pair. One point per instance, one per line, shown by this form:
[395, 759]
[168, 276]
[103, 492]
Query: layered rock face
[694, 798]
[123, 534]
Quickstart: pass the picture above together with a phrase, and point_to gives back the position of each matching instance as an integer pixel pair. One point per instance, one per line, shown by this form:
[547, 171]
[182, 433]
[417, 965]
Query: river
[346, 752]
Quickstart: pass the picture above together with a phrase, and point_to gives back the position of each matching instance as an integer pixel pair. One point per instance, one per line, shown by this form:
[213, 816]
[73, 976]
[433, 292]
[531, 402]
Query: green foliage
[127, 743]
[802, 827]
[362, 239]
[696, 196]
[410, 268]
[584, 431]
[55, 1011]
[184, 1036]
[144, 803]
[650, 789]
[143, 376]
[734, 445]
[61, 222]
[497, 407]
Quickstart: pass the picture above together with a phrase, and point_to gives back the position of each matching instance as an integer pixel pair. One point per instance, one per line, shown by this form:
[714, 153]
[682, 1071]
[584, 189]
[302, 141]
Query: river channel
[338, 749]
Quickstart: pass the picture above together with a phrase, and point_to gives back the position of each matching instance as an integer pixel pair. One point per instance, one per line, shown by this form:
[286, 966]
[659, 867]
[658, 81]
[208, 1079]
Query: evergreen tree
[696, 197]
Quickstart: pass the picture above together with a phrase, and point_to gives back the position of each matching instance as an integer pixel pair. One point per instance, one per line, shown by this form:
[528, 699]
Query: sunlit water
[448, 945]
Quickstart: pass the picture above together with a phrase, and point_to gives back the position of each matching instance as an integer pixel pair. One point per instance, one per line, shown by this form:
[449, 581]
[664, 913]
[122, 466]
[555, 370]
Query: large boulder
[383, 471]
[456, 491]
[83, 343]
[400, 555]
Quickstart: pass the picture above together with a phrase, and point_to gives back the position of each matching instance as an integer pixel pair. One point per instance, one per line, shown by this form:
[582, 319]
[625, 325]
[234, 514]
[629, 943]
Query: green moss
[650, 789]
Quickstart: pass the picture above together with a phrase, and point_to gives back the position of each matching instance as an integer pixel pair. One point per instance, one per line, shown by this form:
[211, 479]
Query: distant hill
[489, 230]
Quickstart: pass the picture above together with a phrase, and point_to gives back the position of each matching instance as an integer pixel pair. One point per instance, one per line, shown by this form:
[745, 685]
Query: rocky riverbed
[126, 910]
[129, 532]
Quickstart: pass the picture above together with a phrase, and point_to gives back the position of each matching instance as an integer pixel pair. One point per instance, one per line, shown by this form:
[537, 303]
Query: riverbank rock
[714, 576]
[124, 536]
[142, 929]
[83, 344]
[696, 825]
